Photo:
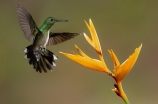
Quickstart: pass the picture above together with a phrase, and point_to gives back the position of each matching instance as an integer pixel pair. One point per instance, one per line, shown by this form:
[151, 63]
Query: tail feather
[48, 65]
[34, 62]
[30, 61]
[43, 63]
[39, 68]
[48, 57]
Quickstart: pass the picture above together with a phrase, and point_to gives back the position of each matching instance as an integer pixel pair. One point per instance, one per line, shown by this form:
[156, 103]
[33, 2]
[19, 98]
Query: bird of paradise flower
[120, 71]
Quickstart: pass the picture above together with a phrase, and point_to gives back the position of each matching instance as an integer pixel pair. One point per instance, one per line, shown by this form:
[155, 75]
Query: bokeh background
[121, 25]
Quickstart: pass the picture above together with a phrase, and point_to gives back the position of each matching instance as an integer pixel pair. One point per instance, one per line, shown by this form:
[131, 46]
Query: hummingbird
[36, 53]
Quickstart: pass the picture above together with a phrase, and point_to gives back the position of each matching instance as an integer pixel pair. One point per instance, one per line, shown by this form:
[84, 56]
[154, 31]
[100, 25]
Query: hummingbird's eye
[52, 19]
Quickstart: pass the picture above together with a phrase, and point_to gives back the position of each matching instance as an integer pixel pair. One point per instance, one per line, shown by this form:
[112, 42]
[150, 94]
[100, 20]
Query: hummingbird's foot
[42, 49]
[35, 52]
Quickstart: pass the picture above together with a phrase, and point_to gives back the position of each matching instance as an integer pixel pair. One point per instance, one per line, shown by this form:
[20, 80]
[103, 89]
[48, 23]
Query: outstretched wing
[56, 38]
[27, 23]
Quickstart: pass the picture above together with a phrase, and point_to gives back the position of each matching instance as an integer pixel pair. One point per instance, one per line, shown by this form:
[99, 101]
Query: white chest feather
[47, 38]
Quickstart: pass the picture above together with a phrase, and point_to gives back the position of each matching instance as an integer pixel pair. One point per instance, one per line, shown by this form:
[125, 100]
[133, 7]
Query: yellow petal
[89, 40]
[115, 60]
[124, 69]
[95, 41]
[75, 53]
[81, 52]
[94, 34]
[88, 62]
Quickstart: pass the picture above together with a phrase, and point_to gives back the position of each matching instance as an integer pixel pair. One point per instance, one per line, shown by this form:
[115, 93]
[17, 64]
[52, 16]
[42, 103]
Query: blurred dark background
[121, 26]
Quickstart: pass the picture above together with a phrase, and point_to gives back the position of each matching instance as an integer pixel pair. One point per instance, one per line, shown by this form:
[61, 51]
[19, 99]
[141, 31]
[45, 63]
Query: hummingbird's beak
[61, 20]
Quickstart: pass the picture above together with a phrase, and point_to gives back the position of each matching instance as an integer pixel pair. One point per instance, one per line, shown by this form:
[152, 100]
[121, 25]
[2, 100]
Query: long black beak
[61, 20]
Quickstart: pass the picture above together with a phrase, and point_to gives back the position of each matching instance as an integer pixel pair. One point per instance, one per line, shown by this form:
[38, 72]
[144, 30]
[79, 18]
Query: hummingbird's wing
[27, 23]
[56, 38]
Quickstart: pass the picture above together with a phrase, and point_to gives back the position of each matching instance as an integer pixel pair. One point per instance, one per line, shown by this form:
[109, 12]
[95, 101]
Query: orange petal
[81, 52]
[89, 40]
[95, 41]
[75, 53]
[124, 69]
[88, 62]
[94, 34]
[115, 60]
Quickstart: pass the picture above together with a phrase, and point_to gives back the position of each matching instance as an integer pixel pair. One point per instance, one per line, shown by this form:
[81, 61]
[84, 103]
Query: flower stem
[122, 94]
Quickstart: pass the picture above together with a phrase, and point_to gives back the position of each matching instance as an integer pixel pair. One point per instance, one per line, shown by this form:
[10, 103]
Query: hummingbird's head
[52, 20]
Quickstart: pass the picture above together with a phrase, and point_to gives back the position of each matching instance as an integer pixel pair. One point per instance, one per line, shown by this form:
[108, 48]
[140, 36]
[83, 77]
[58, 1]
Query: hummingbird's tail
[44, 62]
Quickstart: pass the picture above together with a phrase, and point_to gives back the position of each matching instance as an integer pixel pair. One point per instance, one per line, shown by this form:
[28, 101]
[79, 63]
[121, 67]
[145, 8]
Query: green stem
[126, 100]
[122, 94]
